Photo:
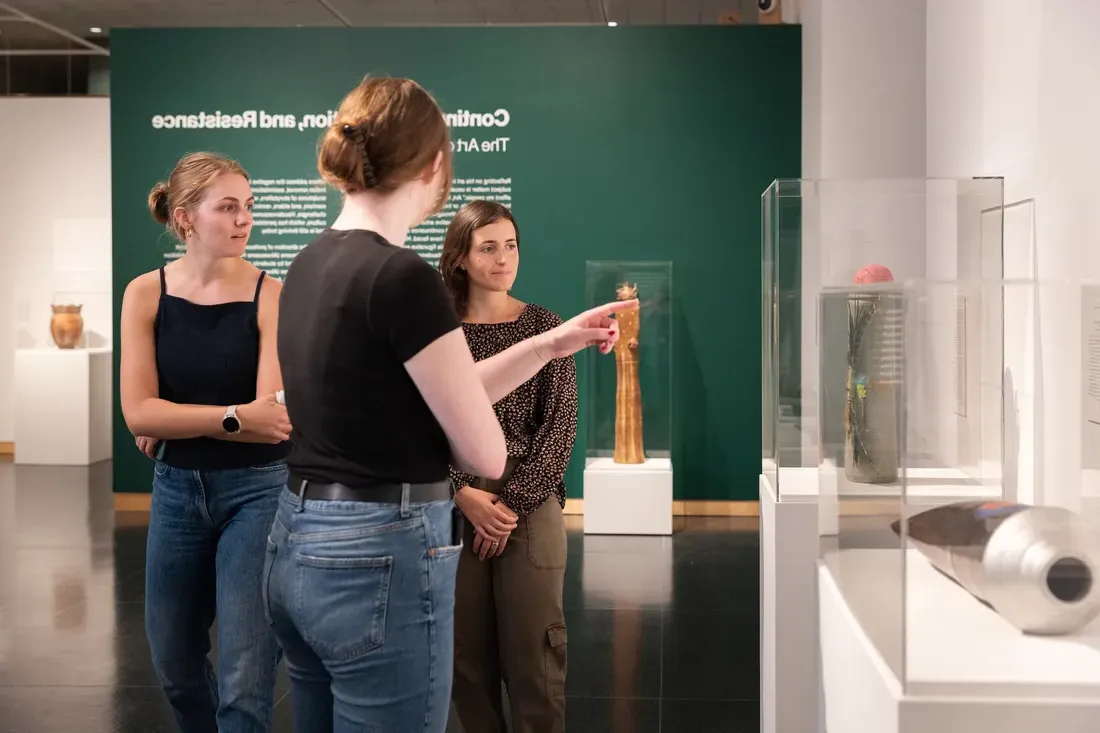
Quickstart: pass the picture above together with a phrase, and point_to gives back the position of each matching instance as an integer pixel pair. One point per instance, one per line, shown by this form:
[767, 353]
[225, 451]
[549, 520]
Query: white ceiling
[77, 16]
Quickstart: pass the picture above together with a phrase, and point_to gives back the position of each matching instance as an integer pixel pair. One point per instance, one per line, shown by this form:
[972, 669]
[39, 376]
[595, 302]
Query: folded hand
[484, 510]
[486, 547]
[146, 445]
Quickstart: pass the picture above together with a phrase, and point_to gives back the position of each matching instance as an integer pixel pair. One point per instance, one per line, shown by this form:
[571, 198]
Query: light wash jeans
[361, 596]
[205, 556]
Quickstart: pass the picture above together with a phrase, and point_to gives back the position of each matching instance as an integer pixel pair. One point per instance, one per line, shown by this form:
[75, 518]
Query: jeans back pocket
[342, 604]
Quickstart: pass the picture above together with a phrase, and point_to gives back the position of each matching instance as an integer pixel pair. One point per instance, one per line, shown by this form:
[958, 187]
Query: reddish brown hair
[187, 186]
[386, 133]
[456, 245]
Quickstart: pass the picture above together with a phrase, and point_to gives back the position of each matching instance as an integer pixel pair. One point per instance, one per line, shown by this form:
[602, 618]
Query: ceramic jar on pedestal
[66, 326]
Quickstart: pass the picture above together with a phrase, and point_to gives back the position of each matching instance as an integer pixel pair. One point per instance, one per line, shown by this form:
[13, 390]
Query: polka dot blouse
[539, 418]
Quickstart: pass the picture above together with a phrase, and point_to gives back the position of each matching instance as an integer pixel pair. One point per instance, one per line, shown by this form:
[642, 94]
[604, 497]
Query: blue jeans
[361, 596]
[205, 556]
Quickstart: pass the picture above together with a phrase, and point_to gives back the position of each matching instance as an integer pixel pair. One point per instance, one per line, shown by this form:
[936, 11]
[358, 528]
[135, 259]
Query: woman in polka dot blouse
[509, 621]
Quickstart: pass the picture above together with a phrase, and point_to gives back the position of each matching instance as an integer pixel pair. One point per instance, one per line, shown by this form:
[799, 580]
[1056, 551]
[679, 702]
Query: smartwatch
[231, 423]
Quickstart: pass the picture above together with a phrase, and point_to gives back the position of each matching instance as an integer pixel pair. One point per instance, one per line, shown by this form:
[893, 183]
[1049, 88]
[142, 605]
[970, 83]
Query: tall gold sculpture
[628, 392]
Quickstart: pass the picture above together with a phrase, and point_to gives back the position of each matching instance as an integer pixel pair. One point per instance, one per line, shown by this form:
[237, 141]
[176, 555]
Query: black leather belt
[387, 493]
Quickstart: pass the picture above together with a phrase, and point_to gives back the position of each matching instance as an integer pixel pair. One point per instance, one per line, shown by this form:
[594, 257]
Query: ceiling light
[95, 29]
[611, 24]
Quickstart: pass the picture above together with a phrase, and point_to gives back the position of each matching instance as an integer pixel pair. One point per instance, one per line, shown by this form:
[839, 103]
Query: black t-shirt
[354, 309]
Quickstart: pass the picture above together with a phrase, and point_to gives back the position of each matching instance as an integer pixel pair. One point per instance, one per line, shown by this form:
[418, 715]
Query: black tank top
[209, 355]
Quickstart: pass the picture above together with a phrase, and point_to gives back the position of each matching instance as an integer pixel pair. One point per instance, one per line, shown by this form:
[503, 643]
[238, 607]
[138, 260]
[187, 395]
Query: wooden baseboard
[696, 508]
[133, 502]
[692, 508]
[7, 449]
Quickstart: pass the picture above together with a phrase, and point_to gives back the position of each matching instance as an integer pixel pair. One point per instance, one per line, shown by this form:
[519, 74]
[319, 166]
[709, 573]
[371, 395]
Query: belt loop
[406, 490]
[301, 498]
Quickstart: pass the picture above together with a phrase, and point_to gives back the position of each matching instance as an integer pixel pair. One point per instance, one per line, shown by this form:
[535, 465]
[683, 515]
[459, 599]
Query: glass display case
[628, 405]
[958, 497]
[628, 395]
[830, 233]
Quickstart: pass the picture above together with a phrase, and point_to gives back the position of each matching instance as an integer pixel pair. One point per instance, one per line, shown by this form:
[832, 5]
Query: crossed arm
[145, 412]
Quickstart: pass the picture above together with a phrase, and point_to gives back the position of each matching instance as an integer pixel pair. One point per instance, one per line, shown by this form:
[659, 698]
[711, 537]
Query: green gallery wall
[614, 144]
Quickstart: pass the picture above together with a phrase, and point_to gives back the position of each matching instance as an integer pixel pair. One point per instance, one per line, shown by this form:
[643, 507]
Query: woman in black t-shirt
[384, 395]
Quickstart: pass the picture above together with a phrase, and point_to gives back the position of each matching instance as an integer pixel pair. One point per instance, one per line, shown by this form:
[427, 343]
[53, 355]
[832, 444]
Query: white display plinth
[789, 547]
[621, 498]
[967, 668]
[63, 406]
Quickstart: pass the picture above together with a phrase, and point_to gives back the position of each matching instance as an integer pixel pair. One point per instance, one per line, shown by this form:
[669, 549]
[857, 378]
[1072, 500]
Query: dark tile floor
[663, 632]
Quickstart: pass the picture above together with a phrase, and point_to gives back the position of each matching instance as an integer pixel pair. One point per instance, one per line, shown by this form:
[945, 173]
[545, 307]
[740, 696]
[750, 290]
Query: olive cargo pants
[510, 626]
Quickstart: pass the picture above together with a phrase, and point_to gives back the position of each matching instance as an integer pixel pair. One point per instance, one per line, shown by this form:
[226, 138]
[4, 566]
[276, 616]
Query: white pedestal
[63, 406]
[624, 498]
[967, 669]
[789, 548]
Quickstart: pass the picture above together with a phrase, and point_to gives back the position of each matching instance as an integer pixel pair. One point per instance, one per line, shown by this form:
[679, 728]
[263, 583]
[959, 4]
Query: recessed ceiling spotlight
[611, 24]
[95, 29]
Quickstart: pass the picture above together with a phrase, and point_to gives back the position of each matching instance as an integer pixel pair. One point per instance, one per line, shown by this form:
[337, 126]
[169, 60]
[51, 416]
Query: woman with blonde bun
[384, 396]
[198, 377]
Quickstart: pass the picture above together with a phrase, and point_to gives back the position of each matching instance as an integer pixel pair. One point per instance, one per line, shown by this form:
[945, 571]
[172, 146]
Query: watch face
[231, 424]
